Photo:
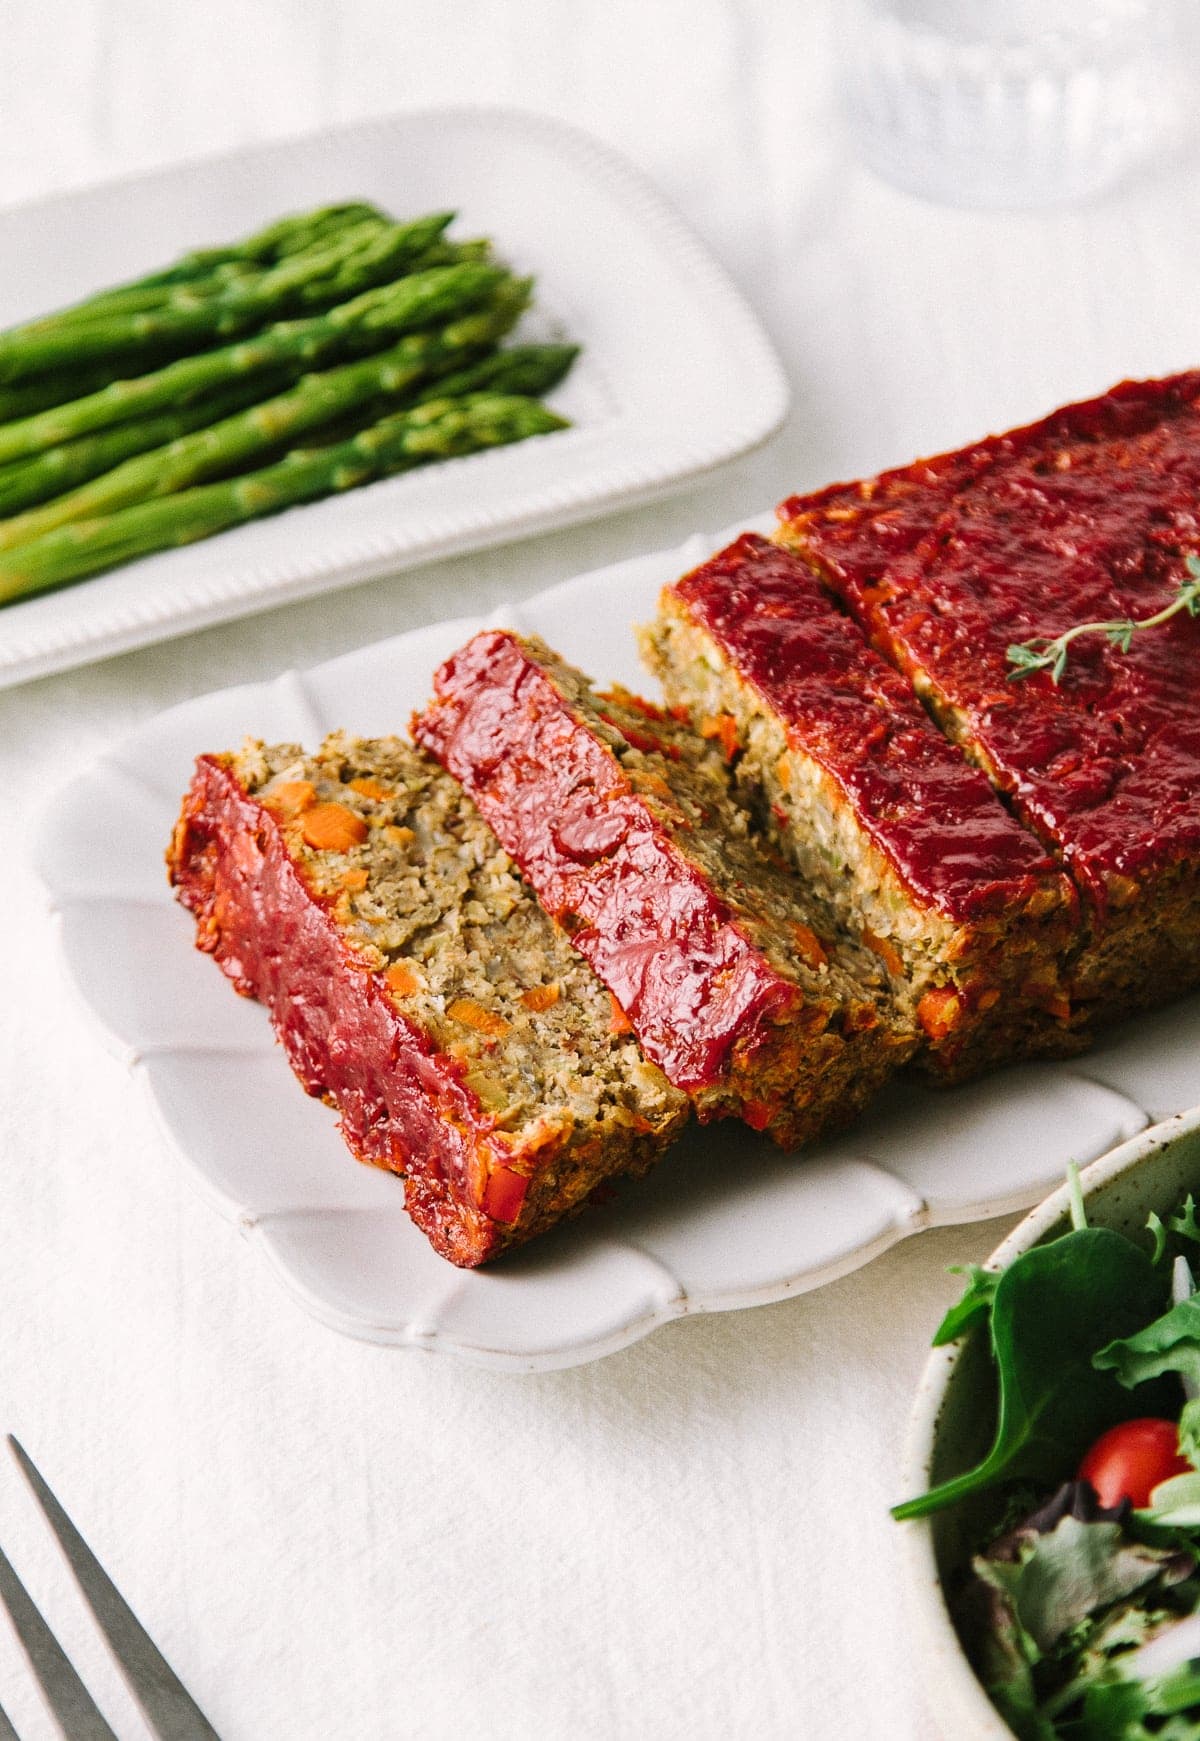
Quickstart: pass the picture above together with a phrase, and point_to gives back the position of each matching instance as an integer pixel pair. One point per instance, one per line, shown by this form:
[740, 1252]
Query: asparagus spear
[28, 482]
[441, 429]
[27, 398]
[130, 299]
[320, 279]
[281, 240]
[243, 439]
[528, 369]
[220, 267]
[443, 293]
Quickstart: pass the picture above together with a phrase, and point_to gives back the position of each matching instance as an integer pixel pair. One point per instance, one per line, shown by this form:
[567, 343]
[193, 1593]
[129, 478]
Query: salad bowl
[953, 1417]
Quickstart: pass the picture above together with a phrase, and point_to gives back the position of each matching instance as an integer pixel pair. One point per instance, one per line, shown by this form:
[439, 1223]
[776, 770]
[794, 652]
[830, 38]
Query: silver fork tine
[68, 1698]
[7, 1732]
[167, 1705]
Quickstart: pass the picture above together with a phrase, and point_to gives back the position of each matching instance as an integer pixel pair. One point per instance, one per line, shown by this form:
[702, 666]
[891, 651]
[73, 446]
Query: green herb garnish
[1041, 654]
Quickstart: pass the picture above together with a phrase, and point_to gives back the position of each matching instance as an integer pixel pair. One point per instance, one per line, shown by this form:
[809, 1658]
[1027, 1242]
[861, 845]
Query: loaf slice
[417, 986]
[1086, 516]
[899, 834]
[742, 991]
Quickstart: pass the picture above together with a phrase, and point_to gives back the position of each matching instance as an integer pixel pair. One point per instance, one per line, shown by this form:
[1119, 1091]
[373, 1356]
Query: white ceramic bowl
[953, 1417]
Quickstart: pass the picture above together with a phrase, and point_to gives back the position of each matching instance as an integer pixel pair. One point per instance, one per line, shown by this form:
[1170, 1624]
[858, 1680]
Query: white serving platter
[676, 375]
[726, 1221]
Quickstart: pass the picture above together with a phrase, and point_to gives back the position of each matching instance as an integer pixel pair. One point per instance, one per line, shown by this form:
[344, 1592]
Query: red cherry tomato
[1129, 1461]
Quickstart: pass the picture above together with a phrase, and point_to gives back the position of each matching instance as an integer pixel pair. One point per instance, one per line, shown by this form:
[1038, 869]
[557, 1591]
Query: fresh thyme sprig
[1044, 655]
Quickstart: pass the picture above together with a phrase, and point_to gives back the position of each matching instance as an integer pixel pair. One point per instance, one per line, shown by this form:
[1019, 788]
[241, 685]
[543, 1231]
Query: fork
[169, 1709]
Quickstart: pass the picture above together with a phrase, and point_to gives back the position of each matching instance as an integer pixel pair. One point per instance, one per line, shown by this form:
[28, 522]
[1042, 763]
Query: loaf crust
[1084, 516]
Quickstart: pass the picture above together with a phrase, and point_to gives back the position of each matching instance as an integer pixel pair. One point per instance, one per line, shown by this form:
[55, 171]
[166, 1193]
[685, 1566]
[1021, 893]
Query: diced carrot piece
[723, 727]
[504, 1193]
[540, 997]
[366, 787]
[940, 1011]
[399, 836]
[757, 1113]
[809, 945]
[886, 951]
[333, 828]
[402, 979]
[783, 770]
[618, 1022]
[355, 880]
[473, 1015]
[291, 797]
[989, 999]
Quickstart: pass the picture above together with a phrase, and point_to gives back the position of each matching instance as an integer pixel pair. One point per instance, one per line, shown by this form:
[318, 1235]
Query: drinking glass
[1011, 102]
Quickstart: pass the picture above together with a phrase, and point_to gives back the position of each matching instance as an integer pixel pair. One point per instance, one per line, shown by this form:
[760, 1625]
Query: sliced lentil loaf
[888, 821]
[417, 986]
[744, 992]
[1085, 516]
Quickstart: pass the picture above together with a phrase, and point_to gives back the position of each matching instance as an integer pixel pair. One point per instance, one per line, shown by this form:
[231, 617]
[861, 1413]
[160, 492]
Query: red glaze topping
[603, 864]
[1084, 516]
[933, 816]
[403, 1105]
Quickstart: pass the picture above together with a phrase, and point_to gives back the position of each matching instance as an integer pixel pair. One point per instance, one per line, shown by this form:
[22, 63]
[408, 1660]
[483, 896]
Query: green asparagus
[528, 369]
[28, 482]
[242, 440]
[317, 280]
[441, 429]
[279, 241]
[442, 293]
[286, 236]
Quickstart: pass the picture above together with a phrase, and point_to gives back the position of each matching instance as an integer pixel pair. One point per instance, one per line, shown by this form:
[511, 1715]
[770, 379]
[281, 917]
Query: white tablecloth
[690, 1538]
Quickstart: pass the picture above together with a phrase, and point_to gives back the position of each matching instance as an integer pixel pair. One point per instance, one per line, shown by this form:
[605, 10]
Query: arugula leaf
[1170, 1344]
[1051, 1309]
[975, 1304]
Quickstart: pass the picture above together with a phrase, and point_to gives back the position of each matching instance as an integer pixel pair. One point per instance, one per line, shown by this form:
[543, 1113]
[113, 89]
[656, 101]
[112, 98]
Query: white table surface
[690, 1538]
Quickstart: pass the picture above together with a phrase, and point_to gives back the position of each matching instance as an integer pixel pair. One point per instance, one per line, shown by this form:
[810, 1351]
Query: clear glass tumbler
[1010, 102]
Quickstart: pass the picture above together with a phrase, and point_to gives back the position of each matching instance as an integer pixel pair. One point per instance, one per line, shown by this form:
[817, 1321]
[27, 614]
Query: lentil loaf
[417, 986]
[894, 828]
[743, 991]
[1085, 516]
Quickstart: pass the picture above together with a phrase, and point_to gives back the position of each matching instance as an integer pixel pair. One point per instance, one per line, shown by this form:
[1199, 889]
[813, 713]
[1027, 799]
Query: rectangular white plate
[676, 375]
[725, 1221]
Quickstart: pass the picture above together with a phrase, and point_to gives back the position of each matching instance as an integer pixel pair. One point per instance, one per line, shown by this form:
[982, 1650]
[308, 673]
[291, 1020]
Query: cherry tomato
[1129, 1461]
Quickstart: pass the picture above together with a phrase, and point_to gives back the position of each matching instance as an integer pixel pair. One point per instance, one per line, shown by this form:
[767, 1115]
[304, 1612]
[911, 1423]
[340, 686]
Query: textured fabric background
[690, 1538]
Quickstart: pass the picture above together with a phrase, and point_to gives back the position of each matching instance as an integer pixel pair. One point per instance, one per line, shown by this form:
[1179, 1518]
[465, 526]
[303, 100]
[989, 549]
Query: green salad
[1080, 1608]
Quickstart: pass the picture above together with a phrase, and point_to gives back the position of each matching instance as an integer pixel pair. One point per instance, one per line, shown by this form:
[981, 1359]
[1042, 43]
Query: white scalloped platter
[726, 1221]
[676, 375]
